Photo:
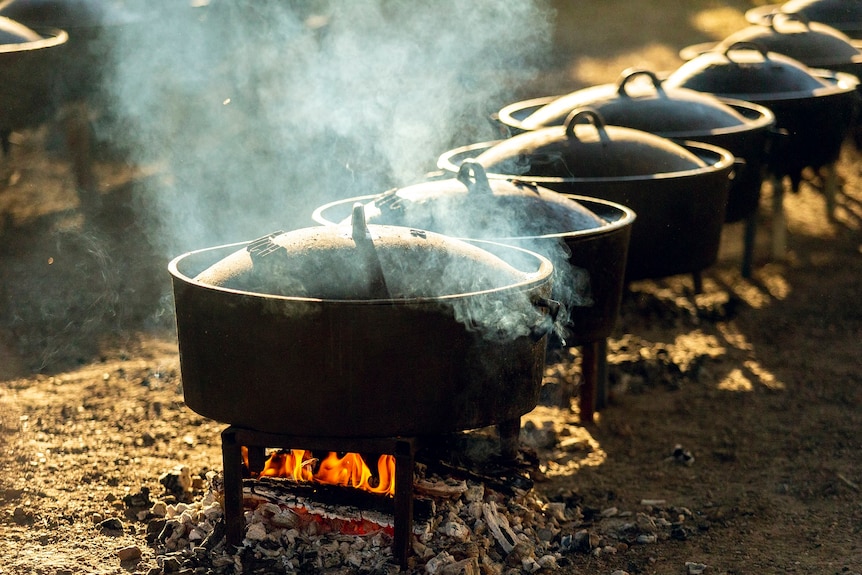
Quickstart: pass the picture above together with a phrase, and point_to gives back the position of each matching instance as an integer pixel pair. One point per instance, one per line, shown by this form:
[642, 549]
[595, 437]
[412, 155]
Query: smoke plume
[258, 111]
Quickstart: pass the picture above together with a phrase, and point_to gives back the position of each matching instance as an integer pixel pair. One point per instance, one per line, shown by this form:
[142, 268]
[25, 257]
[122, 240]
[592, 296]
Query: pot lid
[587, 150]
[748, 71]
[13, 32]
[365, 262]
[815, 44]
[472, 206]
[844, 15]
[643, 106]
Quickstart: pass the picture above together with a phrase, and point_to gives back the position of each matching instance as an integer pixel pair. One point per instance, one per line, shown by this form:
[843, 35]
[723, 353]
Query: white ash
[477, 531]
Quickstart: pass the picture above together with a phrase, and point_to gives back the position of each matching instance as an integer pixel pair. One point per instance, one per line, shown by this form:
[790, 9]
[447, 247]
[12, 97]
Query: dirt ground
[760, 379]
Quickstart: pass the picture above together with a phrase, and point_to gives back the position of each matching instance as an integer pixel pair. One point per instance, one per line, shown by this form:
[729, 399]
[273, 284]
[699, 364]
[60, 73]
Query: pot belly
[678, 225]
[339, 369]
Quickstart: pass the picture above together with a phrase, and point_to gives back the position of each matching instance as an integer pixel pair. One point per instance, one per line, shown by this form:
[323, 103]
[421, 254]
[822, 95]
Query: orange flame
[348, 471]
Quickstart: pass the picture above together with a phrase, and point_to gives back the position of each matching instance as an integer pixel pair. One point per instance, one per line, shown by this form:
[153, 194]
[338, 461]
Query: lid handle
[627, 75]
[472, 174]
[780, 15]
[365, 247]
[591, 116]
[263, 246]
[746, 46]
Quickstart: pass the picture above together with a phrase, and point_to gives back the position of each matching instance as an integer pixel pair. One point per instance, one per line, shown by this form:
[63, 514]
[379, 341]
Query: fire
[348, 471]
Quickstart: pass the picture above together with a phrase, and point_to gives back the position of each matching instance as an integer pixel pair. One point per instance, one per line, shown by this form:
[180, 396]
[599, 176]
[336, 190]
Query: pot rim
[725, 160]
[532, 279]
[53, 37]
[508, 116]
[627, 219]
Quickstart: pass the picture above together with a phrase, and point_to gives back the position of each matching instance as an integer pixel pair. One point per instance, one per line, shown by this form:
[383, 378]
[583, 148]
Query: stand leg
[830, 188]
[779, 225]
[509, 432]
[232, 461]
[601, 351]
[748, 239]
[404, 456]
[589, 387]
[256, 458]
[697, 280]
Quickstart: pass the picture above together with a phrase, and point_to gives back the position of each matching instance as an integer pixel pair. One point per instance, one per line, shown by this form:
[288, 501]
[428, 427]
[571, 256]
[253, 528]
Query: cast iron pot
[27, 62]
[366, 364]
[743, 128]
[814, 107]
[815, 44]
[679, 192]
[587, 239]
[845, 15]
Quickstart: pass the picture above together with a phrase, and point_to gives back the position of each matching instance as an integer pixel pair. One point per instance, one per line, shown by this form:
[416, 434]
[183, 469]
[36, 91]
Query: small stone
[693, 568]
[545, 534]
[112, 526]
[682, 456]
[586, 540]
[177, 481]
[130, 553]
[474, 493]
[438, 562]
[255, 532]
[519, 553]
[171, 565]
[455, 530]
[646, 539]
[20, 516]
[557, 510]
[140, 500]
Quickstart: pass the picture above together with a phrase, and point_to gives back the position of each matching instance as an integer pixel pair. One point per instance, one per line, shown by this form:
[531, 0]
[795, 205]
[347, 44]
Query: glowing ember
[347, 471]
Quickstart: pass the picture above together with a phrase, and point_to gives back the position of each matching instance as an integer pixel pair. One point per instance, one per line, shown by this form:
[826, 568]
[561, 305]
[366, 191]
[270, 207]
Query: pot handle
[627, 75]
[549, 320]
[746, 46]
[592, 117]
[472, 174]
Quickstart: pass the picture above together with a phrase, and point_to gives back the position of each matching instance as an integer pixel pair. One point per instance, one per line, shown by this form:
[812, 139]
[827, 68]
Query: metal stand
[748, 241]
[779, 224]
[235, 438]
[594, 371]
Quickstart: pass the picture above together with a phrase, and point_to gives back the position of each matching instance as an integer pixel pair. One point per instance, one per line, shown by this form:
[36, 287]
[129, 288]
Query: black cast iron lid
[845, 15]
[364, 262]
[815, 44]
[749, 72]
[671, 112]
[587, 150]
[472, 206]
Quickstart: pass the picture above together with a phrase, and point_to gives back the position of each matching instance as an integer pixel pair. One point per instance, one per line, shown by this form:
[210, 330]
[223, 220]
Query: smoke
[256, 112]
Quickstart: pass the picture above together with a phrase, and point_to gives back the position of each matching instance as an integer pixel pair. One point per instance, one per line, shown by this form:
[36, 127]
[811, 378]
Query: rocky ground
[730, 445]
